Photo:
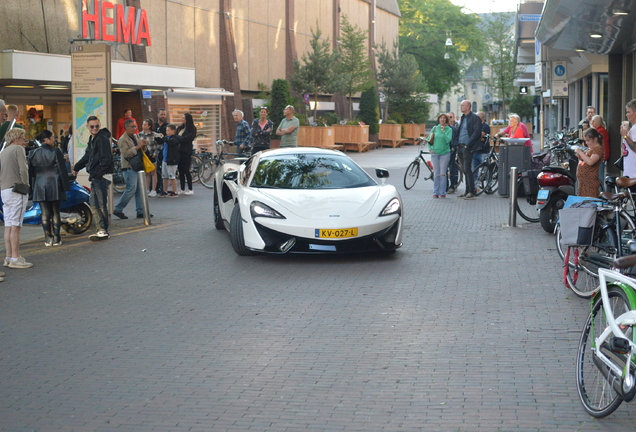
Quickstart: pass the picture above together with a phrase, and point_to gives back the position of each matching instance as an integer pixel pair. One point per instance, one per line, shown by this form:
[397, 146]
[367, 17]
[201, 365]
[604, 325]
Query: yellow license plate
[337, 233]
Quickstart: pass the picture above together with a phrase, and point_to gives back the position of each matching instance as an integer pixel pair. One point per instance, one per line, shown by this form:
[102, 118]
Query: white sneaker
[6, 262]
[190, 192]
[181, 192]
[152, 193]
[21, 263]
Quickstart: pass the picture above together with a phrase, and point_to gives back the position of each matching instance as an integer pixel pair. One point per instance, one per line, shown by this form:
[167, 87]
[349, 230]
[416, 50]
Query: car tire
[218, 220]
[236, 233]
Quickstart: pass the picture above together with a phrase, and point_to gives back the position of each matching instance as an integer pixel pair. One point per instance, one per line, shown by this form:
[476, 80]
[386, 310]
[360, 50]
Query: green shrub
[369, 111]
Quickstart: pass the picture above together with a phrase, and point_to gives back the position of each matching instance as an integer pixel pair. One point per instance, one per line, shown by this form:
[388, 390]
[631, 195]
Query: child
[170, 162]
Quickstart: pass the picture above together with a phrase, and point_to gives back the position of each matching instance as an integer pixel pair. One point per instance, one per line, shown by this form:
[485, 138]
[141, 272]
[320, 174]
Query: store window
[207, 119]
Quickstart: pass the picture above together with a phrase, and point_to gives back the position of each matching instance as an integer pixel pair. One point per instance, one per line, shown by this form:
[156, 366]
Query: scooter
[75, 212]
[556, 185]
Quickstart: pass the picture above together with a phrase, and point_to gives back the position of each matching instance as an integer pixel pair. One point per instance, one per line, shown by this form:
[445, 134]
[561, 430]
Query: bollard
[141, 184]
[512, 218]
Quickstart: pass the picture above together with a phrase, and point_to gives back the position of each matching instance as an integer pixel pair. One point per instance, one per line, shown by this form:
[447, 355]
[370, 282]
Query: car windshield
[309, 171]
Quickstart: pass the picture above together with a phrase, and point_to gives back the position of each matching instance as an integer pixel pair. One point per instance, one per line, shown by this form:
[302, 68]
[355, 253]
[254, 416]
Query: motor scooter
[75, 213]
[556, 185]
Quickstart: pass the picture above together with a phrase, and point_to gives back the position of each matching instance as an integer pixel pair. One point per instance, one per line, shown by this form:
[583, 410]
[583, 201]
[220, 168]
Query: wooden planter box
[316, 136]
[413, 131]
[391, 135]
[353, 137]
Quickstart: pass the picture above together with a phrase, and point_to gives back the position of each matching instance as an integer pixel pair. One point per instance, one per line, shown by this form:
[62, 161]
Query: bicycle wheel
[207, 173]
[483, 178]
[412, 174]
[460, 174]
[526, 205]
[493, 183]
[595, 392]
[560, 247]
[195, 168]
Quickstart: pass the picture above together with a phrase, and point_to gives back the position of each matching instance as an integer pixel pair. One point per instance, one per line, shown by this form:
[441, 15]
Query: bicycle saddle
[608, 196]
[625, 182]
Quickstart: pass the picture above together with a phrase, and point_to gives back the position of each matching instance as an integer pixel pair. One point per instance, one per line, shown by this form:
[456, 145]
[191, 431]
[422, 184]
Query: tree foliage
[424, 27]
[353, 65]
[398, 76]
[316, 73]
[500, 56]
[522, 106]
[369, 110]
[281, 97]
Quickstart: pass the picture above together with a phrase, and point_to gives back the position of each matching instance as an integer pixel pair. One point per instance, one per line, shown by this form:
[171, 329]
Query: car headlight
[258, 209]
[393, 207]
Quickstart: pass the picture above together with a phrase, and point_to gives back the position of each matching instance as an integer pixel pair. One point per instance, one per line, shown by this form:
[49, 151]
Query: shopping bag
[148, 166]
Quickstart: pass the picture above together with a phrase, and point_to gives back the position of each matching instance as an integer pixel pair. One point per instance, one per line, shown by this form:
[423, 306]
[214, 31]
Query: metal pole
[512, 218]
[141, 184]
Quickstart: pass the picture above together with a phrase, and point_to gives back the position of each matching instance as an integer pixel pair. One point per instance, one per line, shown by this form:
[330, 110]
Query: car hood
[324, 203]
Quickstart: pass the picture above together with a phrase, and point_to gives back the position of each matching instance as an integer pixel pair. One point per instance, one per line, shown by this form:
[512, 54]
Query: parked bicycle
[488, 171]
[412, 173]
[605, 361]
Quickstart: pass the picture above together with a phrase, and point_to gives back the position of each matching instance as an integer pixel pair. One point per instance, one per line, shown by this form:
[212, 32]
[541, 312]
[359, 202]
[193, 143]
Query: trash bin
[512, 154]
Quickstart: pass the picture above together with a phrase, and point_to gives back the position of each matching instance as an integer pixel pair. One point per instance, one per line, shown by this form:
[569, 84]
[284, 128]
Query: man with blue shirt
[468, 139]
[243, 132]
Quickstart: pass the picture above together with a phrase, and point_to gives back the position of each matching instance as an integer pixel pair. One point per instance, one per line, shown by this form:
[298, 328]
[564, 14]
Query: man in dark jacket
[98, 160]
[160, 127]
[468, 139]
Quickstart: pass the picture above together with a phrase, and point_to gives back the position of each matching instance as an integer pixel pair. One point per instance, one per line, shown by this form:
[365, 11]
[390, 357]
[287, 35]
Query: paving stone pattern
[466, 328]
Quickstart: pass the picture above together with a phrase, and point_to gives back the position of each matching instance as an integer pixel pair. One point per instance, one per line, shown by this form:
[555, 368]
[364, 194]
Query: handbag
[431, 137]
[137, 162]
[22, 189]
[620, 163]
[148, 165]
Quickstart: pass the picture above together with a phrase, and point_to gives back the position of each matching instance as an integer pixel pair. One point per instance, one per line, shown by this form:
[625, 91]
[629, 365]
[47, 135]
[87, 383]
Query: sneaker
[442, 196]
[141, 215]
[152, 194]
[99, 235]
[451, 190]
[462, 195]
[2, 274]
[478, 190]
[469, 196]
[6, 262]
[162, 195]
[172, 195]
[57, 242]
[435, 196]
[181, 192]
[21, 263]
[190, 192]
[48, 241]
[120, 215]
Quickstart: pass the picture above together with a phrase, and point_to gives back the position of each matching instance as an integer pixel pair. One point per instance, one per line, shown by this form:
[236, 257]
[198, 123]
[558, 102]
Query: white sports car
[306, 200]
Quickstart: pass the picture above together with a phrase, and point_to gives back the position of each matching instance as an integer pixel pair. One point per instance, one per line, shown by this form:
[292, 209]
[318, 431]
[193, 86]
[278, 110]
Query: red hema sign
[128, 24]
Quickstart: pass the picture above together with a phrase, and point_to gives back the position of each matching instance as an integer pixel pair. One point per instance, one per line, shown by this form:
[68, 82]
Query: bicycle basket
[577, 224]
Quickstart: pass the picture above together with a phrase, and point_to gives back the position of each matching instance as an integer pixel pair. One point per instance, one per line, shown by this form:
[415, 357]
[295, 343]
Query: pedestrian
[98, 160]
[480, 155]
[49, 183]
[13, 114]
[242, 136]
[516, 129]
[261, 130]
[288, 128]
[152, 151]
[590, 112]
[170, 162]
[453, 173]
[3, 110]
[468, 138]
[628, 142]
[587, 180]
[160, 128]
[439, 141]
[121, 127]
[14, 172]
[129, 146]
[598, 124]
[186, 133]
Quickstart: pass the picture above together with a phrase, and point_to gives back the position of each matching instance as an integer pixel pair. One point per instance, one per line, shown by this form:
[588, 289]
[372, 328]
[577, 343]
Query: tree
[316, 74]
[369, 111]
[522, 106]
[500, 56]
[281, 97]
[398, 76]
[353, 66]
[424, 27]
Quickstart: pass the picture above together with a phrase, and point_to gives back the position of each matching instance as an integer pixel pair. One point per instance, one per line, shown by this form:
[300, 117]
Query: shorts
[168, 171]
[14, 206]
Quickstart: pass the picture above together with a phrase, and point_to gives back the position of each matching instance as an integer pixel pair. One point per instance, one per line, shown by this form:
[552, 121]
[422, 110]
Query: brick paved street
[466, 328]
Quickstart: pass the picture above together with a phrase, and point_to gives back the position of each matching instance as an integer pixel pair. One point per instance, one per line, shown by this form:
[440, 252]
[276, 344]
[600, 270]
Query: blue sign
[559, 70]
[146, 94]
[537, 48]
[530, 17]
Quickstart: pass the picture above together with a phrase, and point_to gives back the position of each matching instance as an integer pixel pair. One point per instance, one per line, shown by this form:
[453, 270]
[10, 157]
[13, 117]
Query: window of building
[207, 119]
[448, 108]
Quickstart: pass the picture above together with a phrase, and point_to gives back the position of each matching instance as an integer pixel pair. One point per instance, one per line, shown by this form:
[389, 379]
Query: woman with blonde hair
[14, 189]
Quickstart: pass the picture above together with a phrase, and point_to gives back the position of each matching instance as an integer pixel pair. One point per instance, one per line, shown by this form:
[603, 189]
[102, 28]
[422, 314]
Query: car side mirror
[381, 173]
[230, 175]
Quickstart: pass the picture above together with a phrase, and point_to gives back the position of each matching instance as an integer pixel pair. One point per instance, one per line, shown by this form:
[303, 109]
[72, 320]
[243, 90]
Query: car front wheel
[236, 233]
